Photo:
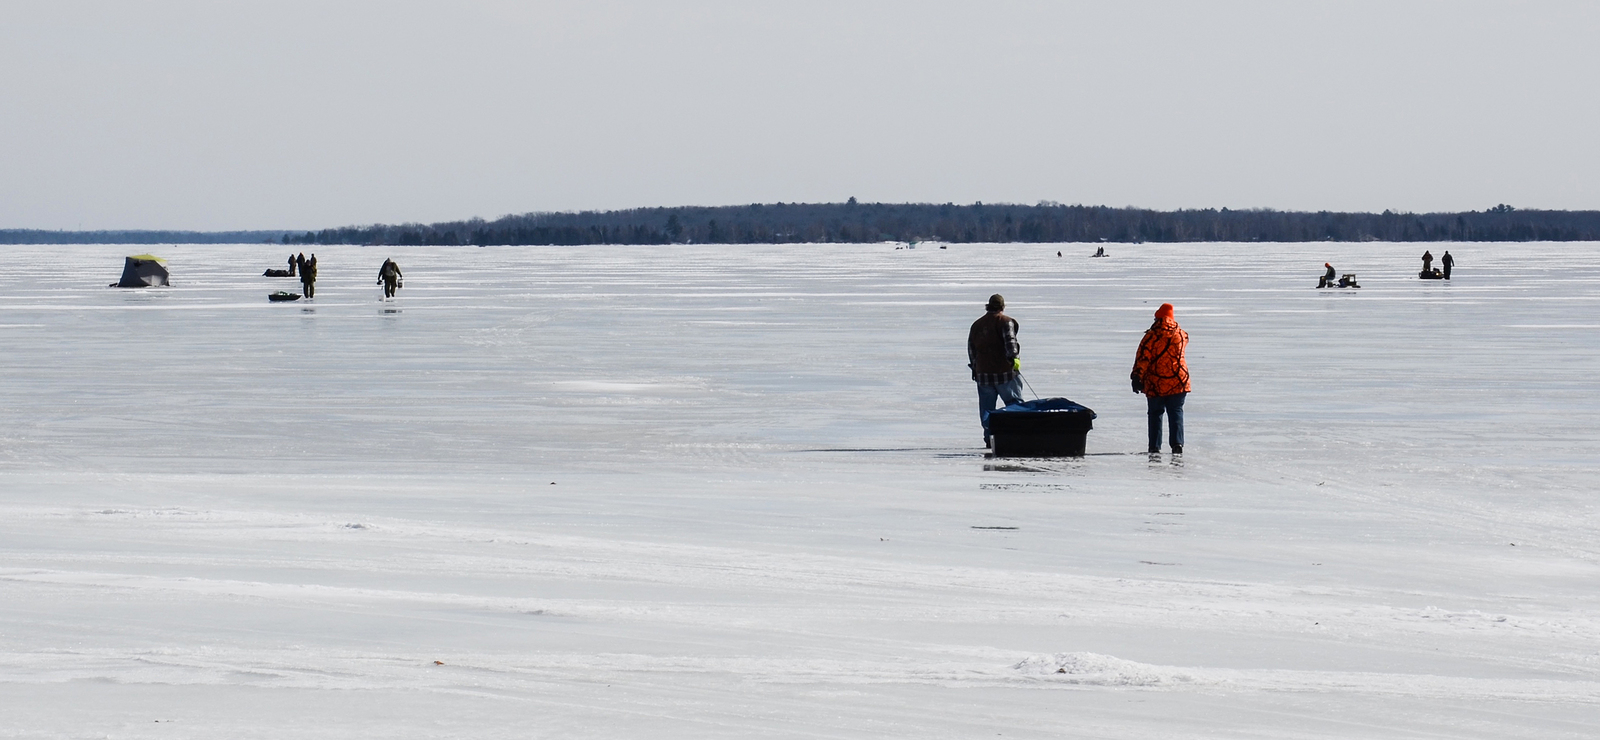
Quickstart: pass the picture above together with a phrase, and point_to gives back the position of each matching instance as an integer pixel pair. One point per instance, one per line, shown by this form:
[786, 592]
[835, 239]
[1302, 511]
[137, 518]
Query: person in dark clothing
[292, 266]
[992, 353]
[308, 276]
[389, 276]
[1328, 277]
[1427, 260]
[1448, 262]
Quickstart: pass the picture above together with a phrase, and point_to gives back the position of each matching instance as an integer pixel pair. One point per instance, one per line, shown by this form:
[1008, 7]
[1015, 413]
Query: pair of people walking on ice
[1160, 370]
[308, 273]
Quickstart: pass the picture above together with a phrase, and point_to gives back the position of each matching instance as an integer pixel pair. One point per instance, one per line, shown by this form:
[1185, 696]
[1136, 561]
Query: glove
[1016, 363]
[1138, 385]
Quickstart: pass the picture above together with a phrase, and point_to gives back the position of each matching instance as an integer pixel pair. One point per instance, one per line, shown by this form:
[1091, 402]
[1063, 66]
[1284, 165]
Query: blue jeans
[987, 395]
[1172, 406]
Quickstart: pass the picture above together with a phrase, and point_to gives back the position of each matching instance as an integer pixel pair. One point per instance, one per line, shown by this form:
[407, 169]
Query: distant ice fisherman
[1428, 270]
[993, 354]
[308, 273]
[1161, 373]
[1347, 280]
[389, 277]
[1327, 277]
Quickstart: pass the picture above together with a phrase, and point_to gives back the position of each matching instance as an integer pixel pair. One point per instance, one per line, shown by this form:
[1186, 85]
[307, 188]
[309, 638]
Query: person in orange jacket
[1162, 375]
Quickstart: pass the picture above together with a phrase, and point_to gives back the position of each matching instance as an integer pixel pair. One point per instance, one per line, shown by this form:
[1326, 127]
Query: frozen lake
[738, 492]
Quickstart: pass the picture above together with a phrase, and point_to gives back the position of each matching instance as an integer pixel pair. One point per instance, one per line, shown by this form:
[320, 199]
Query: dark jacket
[991, 348]
[390, 272]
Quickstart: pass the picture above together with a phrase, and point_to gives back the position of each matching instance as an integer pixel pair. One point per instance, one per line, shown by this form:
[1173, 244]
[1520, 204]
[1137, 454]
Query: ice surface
[736, 492]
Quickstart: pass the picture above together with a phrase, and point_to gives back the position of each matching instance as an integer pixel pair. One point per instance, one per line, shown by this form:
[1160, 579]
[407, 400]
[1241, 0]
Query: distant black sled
[283, 296]
[1348, 280]
[1434, 274]
[1047, 427]
[277, 273]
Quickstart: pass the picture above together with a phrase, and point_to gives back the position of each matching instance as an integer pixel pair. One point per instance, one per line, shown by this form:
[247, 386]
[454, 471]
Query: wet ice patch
[145, 513]
[602, 386]
[1469, 617]
[1094, 669]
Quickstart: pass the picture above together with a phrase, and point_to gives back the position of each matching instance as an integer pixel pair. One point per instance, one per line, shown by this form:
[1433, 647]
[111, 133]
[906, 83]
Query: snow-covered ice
[737, 491]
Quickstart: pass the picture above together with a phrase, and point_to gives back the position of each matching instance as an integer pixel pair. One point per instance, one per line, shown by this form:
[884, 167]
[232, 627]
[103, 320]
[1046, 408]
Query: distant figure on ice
[389, 276]
[308, 275]
[291, 266]
[1100, 252]
[992, 353]
[1448, 262]
[1162, 375]
[1427, 260]
[1328, 277]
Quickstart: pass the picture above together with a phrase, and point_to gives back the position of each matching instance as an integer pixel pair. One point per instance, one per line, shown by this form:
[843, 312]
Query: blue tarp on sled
[1050, 404]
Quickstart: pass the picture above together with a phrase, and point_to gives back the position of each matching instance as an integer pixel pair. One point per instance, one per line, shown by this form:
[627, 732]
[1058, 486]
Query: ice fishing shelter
[143, 271]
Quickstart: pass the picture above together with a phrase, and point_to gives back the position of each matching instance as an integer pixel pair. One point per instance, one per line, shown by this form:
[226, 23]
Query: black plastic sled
[1048, 427]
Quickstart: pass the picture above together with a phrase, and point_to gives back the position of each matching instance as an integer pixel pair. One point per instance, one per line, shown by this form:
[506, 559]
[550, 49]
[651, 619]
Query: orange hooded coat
[1160, 365]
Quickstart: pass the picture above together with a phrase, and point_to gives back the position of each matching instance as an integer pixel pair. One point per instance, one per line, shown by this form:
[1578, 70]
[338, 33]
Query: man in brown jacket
[992, 352]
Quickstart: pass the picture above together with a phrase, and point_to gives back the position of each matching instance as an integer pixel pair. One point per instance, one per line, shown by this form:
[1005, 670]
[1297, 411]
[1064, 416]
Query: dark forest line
[853, 222]
[138, 236]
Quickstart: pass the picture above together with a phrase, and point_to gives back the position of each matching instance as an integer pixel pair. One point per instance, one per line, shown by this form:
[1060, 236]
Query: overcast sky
[223, 115]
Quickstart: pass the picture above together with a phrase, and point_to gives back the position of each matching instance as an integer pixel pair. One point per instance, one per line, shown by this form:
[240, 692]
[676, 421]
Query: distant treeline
[875, 222]
[1045, 222]
[40, 236]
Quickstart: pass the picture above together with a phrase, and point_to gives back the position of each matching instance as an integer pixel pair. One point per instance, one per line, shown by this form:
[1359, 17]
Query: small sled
[1433, 274]
[276, 273]
[1347, 280]
[1047, 427]
[283, 296]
